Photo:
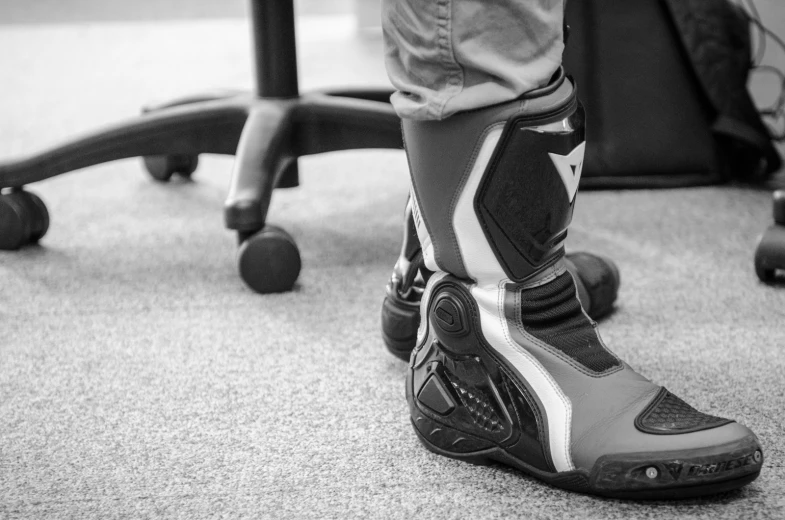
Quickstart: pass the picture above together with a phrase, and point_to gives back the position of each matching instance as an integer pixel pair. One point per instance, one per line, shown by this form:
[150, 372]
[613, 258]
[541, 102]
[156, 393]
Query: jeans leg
[447, 56]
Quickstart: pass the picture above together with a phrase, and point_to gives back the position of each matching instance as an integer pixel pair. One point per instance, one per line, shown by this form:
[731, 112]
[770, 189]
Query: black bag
[664, 86]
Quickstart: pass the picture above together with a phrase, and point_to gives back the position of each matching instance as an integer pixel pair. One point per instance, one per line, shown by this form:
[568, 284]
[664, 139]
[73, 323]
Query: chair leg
[328, 123]
[202, 97]
[268, 259]
[163, 167]
[381, 95]
[209, 127]
[264, 151]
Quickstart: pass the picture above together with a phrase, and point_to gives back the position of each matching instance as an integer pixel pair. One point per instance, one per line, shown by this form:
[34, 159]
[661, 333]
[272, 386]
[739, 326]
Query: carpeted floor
[140, 378]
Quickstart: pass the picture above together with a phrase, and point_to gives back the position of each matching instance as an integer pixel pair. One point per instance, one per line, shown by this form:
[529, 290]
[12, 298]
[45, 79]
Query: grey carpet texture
[139, 377]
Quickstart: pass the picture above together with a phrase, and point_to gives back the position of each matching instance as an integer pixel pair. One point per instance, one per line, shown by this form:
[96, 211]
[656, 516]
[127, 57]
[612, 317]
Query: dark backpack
[664, 83]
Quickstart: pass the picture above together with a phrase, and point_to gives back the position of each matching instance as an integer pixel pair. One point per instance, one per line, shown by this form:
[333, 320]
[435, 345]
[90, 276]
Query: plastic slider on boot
[508, 366]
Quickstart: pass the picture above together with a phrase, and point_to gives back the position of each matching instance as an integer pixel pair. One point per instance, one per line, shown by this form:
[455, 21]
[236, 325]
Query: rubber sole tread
[578, 481]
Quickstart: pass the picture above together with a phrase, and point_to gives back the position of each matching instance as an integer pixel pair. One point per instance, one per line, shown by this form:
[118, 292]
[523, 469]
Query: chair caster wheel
[764, 275]
[770, 254]
[40, 222]
[269, 260]
[162, 167]
[24, 219]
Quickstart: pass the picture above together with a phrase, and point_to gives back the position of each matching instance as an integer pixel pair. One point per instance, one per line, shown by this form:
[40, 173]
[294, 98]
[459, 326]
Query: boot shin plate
[527, 195]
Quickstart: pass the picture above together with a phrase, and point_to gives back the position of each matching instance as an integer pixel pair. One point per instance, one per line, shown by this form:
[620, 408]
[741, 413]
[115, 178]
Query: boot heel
[443, 440]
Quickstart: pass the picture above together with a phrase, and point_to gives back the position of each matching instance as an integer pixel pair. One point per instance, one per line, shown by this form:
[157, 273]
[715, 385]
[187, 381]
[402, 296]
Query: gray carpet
[140, 378]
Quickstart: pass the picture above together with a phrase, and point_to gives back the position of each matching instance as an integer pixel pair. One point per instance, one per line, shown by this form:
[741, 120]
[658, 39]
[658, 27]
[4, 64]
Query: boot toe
[664, 448]
[709, 462]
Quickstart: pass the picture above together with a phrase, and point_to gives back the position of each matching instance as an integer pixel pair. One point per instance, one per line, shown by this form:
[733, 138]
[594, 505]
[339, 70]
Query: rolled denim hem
[449, 56]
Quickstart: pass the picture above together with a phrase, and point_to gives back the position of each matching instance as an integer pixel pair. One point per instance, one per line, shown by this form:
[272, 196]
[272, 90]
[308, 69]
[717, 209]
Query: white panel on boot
[428, 252]
[489, 292]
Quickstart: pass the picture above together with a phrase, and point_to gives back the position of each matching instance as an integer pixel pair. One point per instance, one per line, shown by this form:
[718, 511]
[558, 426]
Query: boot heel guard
[462, 403]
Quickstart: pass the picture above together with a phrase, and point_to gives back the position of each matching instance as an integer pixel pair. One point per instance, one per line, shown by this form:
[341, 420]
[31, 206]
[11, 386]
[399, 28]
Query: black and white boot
[508, 367]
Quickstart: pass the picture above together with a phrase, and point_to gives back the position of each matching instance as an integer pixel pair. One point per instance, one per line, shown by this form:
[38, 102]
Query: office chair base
[163, 167]
[267, 135]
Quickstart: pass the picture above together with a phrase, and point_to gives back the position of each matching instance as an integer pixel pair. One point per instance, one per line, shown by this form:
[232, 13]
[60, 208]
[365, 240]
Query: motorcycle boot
[507, 366]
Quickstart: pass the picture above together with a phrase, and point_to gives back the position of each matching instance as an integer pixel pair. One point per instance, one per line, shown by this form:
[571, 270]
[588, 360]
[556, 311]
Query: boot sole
[579, 481]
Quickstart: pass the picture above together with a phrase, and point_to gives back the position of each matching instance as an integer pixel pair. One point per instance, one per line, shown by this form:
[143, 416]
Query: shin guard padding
[526, 197]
